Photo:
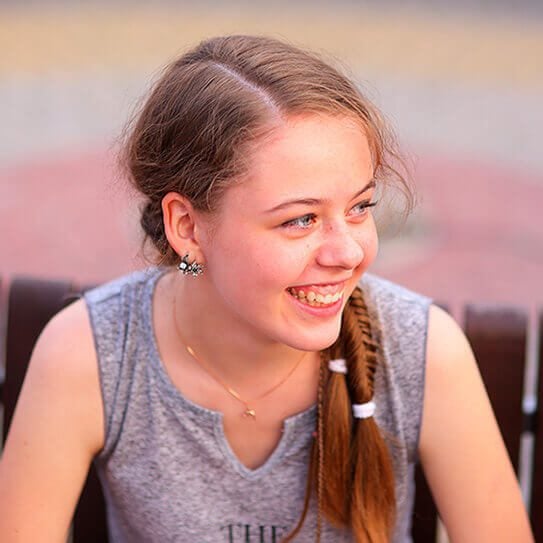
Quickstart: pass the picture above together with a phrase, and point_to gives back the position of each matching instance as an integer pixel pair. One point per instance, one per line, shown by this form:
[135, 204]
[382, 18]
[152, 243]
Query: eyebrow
[316, 201]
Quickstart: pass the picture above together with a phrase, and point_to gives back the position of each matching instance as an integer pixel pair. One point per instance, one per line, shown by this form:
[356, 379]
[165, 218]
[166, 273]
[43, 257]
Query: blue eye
[306, 221]
[301, 222]
[364, 205]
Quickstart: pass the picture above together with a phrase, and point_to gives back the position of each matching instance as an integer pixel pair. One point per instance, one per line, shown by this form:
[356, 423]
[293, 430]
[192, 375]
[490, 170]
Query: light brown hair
[193, 136]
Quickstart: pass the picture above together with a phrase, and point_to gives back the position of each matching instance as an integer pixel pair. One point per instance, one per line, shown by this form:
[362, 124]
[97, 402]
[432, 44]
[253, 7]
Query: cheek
[246, 271]
[277, 266]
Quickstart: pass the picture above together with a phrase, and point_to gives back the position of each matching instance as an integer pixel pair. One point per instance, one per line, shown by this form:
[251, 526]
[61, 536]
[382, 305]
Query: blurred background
[460, 81]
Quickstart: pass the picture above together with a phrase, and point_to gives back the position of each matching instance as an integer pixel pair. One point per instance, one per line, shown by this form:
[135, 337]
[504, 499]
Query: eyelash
[294, 223]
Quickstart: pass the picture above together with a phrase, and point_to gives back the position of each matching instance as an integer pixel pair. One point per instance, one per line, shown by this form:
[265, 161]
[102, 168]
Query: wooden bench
[498, 336]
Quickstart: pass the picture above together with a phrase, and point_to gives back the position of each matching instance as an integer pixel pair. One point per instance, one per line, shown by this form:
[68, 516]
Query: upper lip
[324, 284]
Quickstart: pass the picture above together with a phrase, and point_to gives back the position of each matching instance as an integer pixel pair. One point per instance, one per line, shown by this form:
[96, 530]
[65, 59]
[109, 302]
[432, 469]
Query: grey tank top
[167, 470]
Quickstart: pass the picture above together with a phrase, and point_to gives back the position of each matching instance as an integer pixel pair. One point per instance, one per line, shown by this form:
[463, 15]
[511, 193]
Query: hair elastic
[338, 365]
[363, 410]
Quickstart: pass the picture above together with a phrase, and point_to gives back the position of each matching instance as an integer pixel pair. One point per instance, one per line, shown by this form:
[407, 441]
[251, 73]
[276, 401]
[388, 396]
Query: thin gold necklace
[249, 412]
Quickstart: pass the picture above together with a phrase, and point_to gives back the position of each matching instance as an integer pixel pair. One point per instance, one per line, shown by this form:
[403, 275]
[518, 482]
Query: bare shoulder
[64, 360]
[445, 336]
[461, 449]
[56, 430]
[63, 372]
[67, 336]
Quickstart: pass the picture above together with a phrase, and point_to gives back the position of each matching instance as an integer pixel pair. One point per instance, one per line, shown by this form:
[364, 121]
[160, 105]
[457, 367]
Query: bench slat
[424, 521]
[498, 337]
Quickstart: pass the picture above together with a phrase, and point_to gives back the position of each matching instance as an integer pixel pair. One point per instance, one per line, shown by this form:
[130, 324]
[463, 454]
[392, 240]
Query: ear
[181, 226]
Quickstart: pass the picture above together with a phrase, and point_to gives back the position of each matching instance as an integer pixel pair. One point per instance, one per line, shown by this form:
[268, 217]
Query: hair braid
[373, 503]
[350, 495]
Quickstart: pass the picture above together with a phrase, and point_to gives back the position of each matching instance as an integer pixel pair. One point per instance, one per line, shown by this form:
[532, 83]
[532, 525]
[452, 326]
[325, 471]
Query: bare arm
[462, 452]
[56, 429]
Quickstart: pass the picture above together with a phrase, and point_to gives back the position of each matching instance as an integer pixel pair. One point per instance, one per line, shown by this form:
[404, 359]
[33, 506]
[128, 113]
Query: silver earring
[190, 268]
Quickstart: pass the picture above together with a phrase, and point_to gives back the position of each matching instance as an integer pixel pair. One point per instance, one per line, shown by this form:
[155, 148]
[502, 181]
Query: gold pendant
[249, 413]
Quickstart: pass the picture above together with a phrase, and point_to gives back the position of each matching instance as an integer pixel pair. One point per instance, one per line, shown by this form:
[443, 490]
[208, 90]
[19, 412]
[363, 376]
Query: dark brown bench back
[497, 335]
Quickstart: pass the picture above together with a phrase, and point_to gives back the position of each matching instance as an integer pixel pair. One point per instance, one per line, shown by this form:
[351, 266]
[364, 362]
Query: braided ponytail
[350, 461]
[373, 503]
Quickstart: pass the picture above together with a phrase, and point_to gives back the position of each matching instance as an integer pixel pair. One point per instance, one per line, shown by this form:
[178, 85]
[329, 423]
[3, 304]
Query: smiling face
[283, 271]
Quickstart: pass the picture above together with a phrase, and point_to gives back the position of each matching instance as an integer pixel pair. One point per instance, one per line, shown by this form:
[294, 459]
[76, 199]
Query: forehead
[311, 156]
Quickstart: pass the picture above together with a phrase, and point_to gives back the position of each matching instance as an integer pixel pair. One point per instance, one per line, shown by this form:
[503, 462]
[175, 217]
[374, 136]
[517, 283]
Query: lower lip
[324, 311]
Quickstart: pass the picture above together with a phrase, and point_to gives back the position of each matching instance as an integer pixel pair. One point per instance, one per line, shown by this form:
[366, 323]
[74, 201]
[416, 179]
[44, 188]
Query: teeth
[315, 299]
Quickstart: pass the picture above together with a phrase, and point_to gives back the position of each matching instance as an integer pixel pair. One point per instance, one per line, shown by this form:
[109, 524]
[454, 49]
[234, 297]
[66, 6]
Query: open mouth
[315, 299]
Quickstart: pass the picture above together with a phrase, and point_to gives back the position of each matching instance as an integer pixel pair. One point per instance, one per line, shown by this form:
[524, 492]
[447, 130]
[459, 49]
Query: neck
[225, 345]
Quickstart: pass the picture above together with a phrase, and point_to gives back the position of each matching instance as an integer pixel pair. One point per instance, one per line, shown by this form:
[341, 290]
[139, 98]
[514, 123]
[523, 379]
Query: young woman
[258, 384]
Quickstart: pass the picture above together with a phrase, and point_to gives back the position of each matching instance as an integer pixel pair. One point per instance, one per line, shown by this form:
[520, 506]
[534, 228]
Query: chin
[314, 340]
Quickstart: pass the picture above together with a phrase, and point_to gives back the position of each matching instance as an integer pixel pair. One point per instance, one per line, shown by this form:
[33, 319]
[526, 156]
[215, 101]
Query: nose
[341, 247]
